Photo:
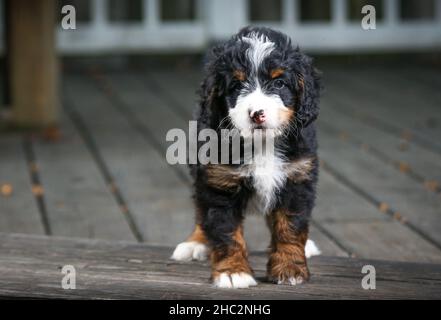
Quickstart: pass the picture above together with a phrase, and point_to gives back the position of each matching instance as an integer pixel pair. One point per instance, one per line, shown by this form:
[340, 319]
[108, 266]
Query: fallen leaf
[6, 190]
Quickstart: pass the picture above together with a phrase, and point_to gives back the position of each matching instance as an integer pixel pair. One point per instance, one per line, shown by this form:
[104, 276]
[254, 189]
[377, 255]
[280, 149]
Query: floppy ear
[212, 88]
[308, 85]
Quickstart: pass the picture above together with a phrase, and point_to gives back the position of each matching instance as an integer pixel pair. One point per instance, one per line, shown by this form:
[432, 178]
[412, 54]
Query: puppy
[257, 81]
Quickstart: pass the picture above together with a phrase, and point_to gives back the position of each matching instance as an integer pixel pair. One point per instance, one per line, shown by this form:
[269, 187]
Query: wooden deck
[106, 178]
[30, 266]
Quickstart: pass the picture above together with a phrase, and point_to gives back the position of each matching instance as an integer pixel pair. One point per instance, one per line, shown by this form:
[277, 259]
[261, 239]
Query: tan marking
[287, 250]
[198, 235]
[233, 259]
[286, 114]
[300, 170]
[223, 177]
[240, 75]
[276, 73]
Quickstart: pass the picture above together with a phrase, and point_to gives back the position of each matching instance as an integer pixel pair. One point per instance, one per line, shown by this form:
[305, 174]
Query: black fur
[222, 211]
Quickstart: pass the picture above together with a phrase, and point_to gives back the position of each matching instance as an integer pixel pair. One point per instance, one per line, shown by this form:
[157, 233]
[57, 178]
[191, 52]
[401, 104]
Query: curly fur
[235, 68]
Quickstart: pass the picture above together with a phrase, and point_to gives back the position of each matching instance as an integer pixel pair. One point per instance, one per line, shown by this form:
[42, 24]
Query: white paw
[235, 280]
[291, 281]
[192, 250]
[311, 249]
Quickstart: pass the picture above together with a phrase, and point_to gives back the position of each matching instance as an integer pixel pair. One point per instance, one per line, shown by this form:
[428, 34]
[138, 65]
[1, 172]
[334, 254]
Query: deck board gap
[37, 187]
[91, 145]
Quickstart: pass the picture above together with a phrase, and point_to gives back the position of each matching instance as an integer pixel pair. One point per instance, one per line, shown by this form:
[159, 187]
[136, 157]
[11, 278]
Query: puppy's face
[261, 91]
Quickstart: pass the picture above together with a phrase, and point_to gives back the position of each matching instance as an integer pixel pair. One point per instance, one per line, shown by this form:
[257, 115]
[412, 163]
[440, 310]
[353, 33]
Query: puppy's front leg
[287, 261]
[229, 257]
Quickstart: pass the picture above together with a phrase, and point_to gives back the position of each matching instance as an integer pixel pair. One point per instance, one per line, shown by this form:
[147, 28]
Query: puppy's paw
[293, 281]
[311, 249]
[191, 250]
[293, 275]
[287, 270]
[239, 280]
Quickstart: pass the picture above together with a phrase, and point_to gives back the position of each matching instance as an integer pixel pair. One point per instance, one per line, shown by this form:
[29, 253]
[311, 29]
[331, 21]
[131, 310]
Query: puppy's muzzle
[258, 117]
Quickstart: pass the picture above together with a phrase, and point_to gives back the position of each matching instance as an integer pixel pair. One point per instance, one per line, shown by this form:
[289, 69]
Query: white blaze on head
[256, 100]
[260, 48]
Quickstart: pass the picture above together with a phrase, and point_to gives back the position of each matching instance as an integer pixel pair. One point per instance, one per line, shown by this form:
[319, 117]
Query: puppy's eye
[279, 84]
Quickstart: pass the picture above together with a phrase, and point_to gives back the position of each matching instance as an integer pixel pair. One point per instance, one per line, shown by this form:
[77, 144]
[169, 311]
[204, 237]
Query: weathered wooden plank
[396, 243]
[388, 187]
[393, 93]
[379, 107]
[154, 193]
[403, 156]
[30, 266]
[18, 207]
[147, 112]
[338, 203]
[78, 201]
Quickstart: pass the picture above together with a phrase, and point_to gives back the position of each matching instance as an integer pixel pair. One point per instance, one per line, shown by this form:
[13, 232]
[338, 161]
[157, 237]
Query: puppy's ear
[212, 86]
[308, 87]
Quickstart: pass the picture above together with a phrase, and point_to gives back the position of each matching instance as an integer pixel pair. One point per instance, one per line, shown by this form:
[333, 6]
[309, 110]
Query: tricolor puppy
[257, 81]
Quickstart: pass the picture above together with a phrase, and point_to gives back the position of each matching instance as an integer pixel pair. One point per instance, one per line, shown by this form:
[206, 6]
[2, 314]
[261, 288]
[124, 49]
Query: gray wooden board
[30, 267]
[399, 109]
[398, 191]
[155, 195]
[159, 118]
[429, 80]
[336, 202]
[407, 85]
[78, 201]
[425, 163]
[396, 243]
[150, 111]
[387, 91]
[399, 87]
[18, 211]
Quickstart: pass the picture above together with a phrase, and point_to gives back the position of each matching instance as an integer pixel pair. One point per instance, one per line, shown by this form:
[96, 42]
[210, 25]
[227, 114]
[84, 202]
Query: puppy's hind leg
[194, 248]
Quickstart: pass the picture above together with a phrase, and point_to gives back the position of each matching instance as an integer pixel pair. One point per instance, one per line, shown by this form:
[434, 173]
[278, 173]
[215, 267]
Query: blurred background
[85, 113]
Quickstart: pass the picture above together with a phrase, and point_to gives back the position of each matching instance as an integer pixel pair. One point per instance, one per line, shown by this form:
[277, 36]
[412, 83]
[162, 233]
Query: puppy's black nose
[258, 116]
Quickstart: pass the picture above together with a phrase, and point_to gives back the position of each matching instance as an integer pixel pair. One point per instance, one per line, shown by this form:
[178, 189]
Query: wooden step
[31, 267]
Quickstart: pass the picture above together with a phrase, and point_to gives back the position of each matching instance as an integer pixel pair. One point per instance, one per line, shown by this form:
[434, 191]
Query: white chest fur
[268, 176]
